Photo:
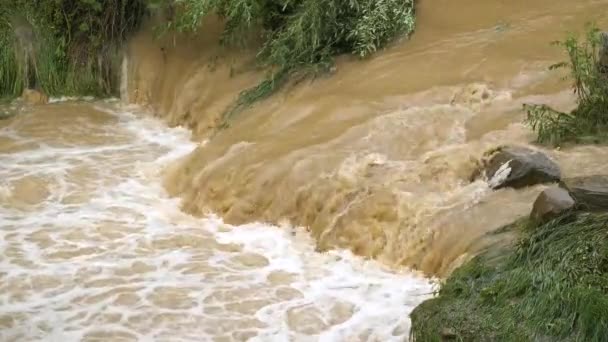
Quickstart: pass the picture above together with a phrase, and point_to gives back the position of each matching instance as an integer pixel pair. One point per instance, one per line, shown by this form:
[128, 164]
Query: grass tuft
[588, 69]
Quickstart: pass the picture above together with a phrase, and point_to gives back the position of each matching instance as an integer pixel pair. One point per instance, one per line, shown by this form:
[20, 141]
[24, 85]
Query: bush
[77, 40]
[588, 66]
[301, 34]
[552, 286]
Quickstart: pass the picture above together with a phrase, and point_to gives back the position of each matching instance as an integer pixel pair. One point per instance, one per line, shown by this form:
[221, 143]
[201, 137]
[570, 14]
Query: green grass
[10, 73]
[48, 70]
[588, 69]
[551, 286]
[72, 45]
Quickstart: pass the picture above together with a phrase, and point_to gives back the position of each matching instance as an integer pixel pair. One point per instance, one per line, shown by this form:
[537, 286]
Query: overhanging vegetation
[300, 35]
[76, 41]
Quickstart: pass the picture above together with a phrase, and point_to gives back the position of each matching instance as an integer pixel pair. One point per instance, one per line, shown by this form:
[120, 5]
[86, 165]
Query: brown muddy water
[108, 226]
[375, 158]
[94, 250]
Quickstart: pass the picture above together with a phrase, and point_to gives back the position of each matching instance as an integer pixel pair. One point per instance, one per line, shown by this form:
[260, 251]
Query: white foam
[107, 201]
[70, 98]
[501, 175]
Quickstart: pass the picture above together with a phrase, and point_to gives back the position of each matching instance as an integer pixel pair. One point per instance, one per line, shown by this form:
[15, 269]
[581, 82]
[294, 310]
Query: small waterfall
[82, 198]
[124, 79]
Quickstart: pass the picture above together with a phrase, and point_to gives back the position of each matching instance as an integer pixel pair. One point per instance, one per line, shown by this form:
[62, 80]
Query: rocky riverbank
[550, 283]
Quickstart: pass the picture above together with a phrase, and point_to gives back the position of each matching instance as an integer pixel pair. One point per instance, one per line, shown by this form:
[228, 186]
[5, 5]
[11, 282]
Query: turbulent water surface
[375, 159]
[93, 250]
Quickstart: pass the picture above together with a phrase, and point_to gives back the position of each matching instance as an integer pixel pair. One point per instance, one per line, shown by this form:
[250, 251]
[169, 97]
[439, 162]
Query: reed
[588, 70]
[64, 47]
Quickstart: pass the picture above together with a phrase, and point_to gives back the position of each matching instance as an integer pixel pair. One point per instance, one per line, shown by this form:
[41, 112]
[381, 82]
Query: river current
[93, 249]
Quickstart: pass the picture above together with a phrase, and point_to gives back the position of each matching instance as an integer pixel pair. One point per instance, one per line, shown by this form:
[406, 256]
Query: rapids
[93, 249]
[376, 157]
[114, 227]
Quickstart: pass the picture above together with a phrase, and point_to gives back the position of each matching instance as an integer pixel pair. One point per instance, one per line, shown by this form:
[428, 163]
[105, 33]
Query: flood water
[376, 157]
[94, 250]
[114, 227]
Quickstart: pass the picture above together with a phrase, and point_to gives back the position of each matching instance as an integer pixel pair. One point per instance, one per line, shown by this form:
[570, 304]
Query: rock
[518, 167]
[34, 97]
[550, 204]
[590, 192]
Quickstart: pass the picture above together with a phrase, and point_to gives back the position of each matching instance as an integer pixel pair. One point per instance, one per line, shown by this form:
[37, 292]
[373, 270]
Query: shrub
[588, 66]
[301, 34]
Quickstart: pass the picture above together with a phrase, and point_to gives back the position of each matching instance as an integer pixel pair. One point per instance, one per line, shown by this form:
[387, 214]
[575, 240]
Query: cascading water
[375, 159]
[94, 250]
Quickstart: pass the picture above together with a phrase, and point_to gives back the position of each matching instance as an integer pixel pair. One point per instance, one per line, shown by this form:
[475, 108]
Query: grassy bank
[64, 47]
[551, 286]
[72, 46]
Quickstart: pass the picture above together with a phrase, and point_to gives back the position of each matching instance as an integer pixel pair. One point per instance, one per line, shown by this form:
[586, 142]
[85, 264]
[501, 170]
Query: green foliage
[298, 34]
[552, 286]
[64, 46]
[10, 74]
[588, 66]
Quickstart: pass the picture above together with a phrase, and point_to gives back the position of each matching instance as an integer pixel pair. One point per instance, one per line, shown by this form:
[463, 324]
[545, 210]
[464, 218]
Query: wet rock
[34, 97]
[550, 204]
[590, 192]
[518, 167]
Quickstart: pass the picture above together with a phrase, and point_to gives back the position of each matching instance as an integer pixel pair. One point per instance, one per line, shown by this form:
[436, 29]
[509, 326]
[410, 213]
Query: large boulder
[518, 167]
[551, 203]
[34, 97]
[590, 192]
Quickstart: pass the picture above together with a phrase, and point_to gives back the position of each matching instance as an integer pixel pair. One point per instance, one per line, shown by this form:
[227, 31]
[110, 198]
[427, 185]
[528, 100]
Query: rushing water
[375, 159]
[92, 249]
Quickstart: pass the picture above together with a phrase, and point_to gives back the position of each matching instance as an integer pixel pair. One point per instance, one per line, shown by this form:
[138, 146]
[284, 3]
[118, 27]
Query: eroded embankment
[377, 157]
